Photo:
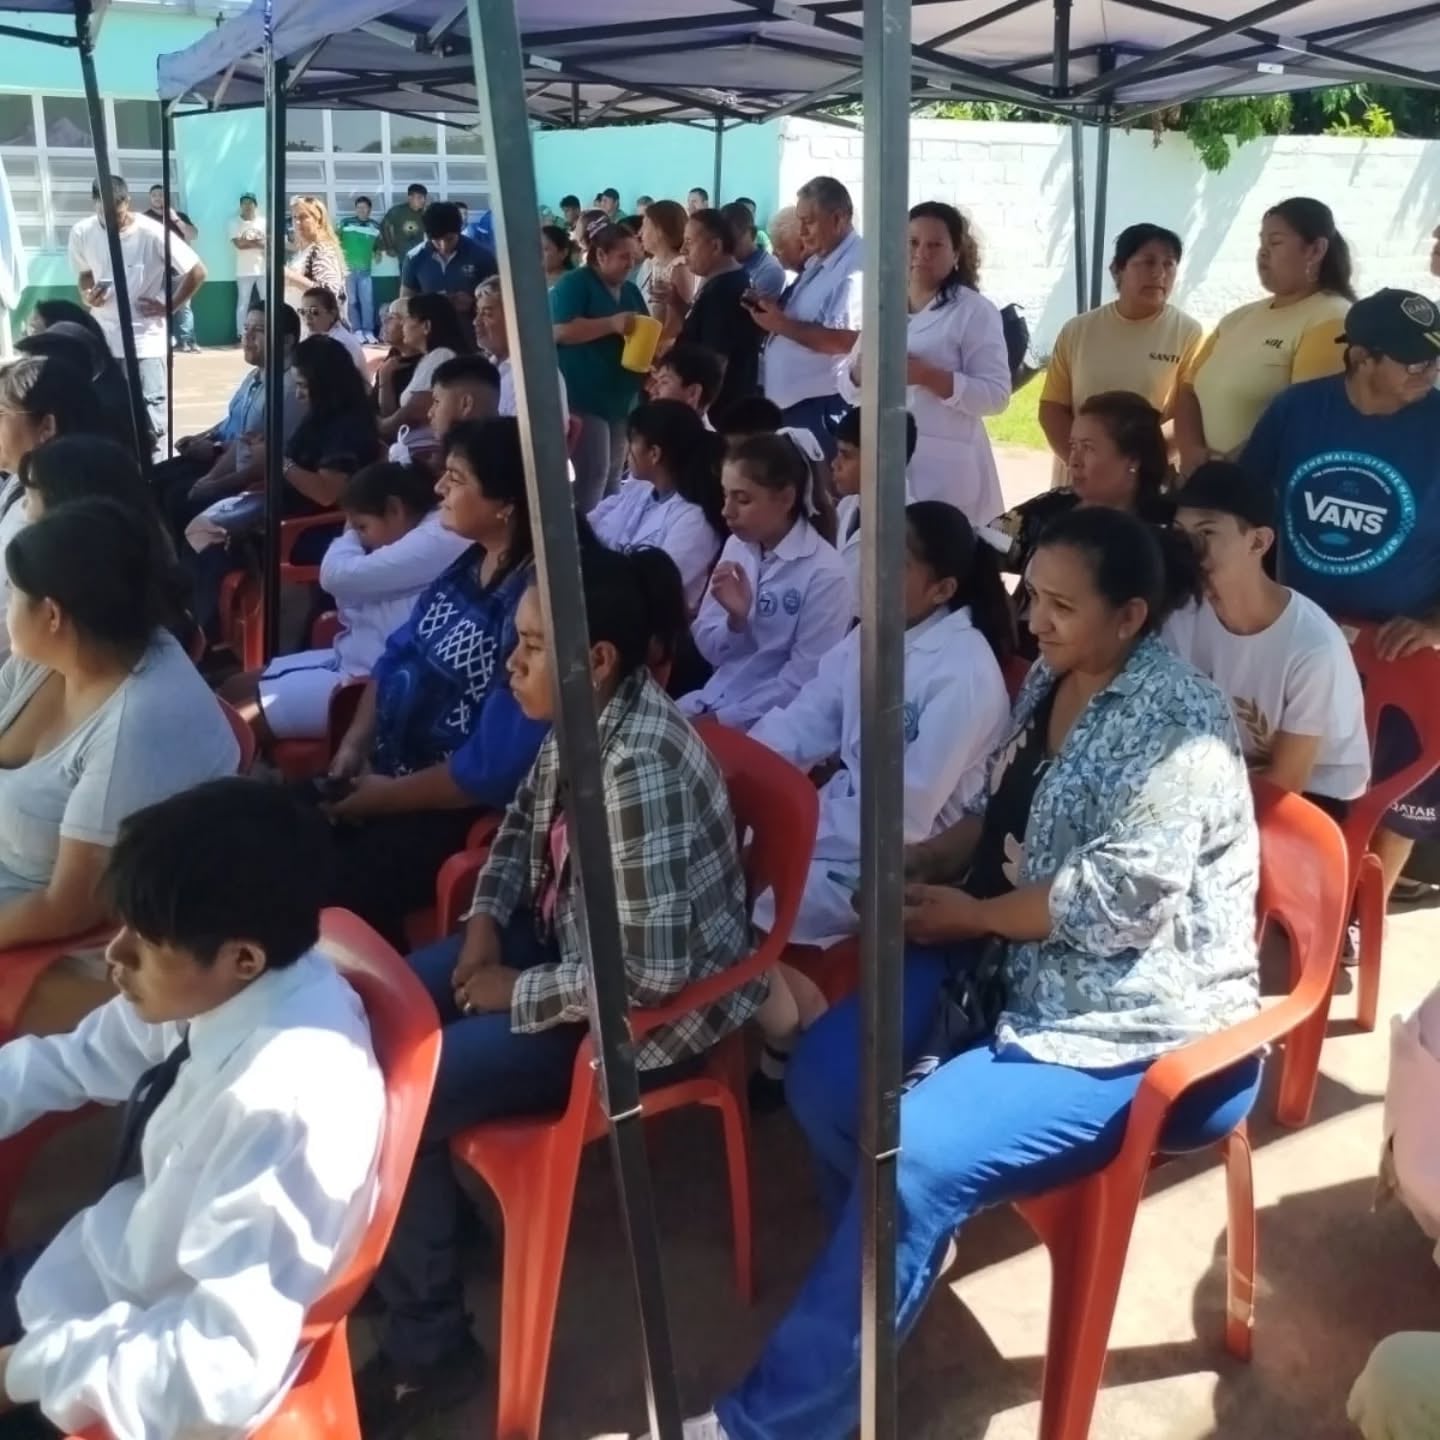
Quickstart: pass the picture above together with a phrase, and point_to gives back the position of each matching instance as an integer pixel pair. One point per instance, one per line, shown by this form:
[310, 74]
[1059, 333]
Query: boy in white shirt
[245, 1177]
[1283, 662]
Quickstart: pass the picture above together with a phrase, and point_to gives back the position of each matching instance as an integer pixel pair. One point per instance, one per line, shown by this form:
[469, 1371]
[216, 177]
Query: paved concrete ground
[1334, 1277]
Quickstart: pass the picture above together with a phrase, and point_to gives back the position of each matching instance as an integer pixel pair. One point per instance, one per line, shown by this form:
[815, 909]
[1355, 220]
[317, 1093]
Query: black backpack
[1017, 344]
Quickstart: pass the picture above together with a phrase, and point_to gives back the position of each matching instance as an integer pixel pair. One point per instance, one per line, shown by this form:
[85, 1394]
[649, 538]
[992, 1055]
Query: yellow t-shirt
[1102, 350]
[1257, 351]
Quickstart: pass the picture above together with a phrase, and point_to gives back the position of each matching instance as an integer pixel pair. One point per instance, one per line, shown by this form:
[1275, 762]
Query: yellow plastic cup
[641, 344]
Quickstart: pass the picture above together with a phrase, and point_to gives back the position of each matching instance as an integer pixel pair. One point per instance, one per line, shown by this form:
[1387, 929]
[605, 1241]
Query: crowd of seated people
[1081, 858]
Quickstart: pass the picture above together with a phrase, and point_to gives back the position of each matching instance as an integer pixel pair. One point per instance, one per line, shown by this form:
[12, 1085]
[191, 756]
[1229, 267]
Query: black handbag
[970, 1001]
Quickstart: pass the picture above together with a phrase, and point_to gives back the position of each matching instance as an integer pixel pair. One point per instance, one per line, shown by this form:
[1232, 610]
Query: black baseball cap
[246, 195]
[1228, 489]
[1400, 324]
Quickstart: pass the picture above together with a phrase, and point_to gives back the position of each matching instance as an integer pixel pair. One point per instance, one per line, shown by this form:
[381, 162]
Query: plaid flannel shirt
[681, 891]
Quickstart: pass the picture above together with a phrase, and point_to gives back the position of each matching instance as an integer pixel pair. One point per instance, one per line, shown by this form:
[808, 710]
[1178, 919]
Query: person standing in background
[403, 227]
[183, 228]
[449, 263]
[1138, 342]
[142, 246]
[765, 273]
[1261, 349]
[761, 238]
[719, 319]
[697, 199]
[247, 236]
[816, 324]
[359, 240]
[787, 245]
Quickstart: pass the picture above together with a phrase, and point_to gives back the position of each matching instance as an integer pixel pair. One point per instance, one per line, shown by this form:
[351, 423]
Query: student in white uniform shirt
[1283, 661]
[672, 498]
[393, 546]
[690, 373]
[779, 596]
[173, 1306]
[846, 474]
[958, 368]
[142, 249]
[958, 631]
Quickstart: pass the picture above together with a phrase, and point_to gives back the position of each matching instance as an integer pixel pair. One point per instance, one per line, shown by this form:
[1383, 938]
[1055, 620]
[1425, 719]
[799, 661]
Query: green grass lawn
[1018, 423]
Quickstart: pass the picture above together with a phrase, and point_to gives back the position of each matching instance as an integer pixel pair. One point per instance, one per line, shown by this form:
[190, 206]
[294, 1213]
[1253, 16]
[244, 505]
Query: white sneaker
[702, 1427]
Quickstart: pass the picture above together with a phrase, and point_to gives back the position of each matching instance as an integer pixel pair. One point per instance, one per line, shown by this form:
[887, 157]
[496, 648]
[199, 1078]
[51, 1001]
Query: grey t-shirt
[161, 732]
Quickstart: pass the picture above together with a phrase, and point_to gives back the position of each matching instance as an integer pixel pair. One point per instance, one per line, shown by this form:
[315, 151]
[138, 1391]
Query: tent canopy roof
[749, 59]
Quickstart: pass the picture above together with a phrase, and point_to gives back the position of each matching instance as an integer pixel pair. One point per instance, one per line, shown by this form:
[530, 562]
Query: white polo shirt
[142, 247]
[827, 293]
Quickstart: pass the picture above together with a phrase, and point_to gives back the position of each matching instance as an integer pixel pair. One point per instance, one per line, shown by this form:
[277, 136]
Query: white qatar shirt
[173, 1306]
[142, 248]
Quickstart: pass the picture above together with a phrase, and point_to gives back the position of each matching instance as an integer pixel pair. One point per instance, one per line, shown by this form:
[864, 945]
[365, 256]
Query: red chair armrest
[292, 530]
[21, 968]
[704, 993]
[454, 887]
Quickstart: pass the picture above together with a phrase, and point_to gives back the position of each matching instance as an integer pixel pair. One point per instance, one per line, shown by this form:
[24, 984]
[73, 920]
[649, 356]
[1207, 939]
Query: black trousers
[26, 1423]
[385, 867]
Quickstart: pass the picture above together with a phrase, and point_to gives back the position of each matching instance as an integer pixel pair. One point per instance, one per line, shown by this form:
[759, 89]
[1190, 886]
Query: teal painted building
[336, 155]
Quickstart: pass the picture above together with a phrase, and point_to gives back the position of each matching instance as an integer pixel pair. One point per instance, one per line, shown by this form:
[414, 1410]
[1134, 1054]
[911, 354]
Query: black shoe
[767, 1095]
[394, 1399]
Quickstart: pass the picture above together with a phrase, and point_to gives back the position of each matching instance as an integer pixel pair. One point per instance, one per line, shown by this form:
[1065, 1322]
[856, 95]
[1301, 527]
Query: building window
[46, 147]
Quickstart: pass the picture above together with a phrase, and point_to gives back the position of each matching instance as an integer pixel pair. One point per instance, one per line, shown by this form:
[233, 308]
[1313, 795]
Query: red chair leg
[1088, 1234]
[535, 1186]
[1370, 912]
[1300, 1066]
[1241, 1245]
[734, 1107]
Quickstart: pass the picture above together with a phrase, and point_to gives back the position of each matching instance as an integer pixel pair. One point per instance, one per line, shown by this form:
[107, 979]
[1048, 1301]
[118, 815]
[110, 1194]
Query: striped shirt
[678, 880]
[324, 266]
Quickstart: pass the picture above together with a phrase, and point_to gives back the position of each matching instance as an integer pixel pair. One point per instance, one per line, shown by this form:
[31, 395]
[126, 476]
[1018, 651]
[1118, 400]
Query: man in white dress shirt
[174, 1305]
[813, 326]
[142, 249]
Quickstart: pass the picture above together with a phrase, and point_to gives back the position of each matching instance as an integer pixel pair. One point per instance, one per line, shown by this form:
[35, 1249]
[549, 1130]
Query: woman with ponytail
[511, 989]
[1255, 352]
[958, 368]
[673, 498]
[958, 633]
[780, 594]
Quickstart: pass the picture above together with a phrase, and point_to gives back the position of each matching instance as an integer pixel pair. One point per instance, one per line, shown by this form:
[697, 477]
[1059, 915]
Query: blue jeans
[820, 417]
[183, 326]
[986, 1128]
[361, 290]
[486, 1071]
[153, 382]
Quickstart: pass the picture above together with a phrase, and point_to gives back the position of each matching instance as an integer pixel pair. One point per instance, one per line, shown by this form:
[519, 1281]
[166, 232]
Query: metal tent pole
[85, 38]
[1077, 147]
[167, 136]
[719, 160]
[276, 75]
[886, 93]
[499, 87]
[1102, 195]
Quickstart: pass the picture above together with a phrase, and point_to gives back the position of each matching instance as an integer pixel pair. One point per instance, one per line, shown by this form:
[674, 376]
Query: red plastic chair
[406, 1036]
[290, 533]
[1087, 1224]
[531, 1165]
[244, 735]
[1411, 685]
[300, 759]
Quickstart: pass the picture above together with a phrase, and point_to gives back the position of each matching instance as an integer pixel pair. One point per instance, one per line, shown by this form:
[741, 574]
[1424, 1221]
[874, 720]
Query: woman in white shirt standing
[672, 498]
[959, 370]
[392, 547]
[779, 594]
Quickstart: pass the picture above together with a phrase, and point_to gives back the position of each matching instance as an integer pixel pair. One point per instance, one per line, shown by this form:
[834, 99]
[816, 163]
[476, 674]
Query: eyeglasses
[313, 310]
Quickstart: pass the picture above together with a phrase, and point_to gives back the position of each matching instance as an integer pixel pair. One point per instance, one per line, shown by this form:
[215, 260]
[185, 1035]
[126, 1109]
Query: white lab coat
[174, 1305]
[801, 605]
[847, 536]
[635, 516]
[956, 711]
[953, 460]
[375, 591]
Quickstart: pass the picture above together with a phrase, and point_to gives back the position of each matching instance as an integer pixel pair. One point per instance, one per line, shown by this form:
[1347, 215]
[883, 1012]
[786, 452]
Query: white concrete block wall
[1014, 183]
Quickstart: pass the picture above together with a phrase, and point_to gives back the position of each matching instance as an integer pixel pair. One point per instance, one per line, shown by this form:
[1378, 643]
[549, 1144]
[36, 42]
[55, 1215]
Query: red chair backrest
[1302, 880]
[1015, 669]
[244, 735]
[1411, 685]
[405, 1032]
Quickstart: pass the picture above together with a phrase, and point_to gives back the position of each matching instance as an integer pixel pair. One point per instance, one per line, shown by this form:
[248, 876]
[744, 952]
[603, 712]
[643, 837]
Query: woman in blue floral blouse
[1108, 875]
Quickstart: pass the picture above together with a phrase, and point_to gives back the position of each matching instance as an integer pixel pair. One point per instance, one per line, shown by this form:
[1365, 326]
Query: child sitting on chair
[392, 547]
